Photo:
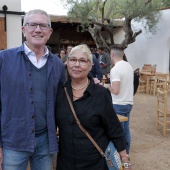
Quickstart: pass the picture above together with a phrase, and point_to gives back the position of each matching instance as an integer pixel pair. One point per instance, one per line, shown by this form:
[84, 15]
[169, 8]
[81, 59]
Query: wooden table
[148, 76]
[122, 118]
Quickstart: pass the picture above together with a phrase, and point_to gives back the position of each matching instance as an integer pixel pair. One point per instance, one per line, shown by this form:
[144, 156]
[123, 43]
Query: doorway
[3, 39]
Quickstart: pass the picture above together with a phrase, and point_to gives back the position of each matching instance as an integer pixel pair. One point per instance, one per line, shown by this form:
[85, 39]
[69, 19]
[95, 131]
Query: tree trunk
[95, 32]
[130, 37]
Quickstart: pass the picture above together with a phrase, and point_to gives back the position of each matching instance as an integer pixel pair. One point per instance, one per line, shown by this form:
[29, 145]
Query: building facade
[10, 26]
[148, 48]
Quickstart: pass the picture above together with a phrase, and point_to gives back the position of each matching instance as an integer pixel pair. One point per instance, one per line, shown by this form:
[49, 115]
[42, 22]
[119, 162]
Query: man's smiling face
[38, 36]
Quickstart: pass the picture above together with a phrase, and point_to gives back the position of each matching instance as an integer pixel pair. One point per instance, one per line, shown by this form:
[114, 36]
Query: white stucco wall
[14, 33]
[148, 48]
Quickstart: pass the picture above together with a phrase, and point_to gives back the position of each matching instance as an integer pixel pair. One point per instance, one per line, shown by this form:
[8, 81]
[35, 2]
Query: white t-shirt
[123, 72]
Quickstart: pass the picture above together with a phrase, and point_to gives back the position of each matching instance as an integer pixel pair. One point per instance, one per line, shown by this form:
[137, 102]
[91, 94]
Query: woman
[93, 106]
[62, 55]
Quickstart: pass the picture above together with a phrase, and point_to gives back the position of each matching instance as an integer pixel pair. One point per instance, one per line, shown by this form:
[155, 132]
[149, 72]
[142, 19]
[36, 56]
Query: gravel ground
[149, 149]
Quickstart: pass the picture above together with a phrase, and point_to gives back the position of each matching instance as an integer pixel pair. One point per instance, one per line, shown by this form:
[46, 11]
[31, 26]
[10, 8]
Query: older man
[29, 76]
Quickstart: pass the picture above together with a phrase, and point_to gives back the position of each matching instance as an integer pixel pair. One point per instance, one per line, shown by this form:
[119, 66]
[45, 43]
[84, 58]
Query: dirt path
[149, 149]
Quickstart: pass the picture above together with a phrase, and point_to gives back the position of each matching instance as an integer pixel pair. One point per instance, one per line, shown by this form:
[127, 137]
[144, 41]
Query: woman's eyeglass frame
[81, 61]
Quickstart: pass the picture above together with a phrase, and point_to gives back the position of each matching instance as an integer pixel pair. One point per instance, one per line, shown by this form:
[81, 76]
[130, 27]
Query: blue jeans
[41, 159]
[124, 110]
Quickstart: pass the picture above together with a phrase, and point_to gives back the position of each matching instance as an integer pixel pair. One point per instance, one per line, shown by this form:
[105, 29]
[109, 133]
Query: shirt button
[33, 117]
[32, 102]
[30, 88]
[33, 131]
[29, 74]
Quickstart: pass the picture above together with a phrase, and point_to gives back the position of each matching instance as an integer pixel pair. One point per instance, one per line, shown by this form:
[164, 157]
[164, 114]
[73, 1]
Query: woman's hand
[126, 163]
[97, 81]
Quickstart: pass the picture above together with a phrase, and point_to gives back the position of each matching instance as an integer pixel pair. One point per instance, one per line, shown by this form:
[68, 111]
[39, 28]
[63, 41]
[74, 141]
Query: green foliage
[165, 3]
[97, 15]
[80, 9]
[91, 11]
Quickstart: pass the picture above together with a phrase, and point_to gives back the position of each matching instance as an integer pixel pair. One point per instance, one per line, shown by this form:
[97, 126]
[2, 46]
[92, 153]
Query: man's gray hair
[36, 11]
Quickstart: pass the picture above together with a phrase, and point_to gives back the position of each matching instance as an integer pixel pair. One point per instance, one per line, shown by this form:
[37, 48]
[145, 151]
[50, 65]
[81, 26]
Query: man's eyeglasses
[33, 26]
[73, 61]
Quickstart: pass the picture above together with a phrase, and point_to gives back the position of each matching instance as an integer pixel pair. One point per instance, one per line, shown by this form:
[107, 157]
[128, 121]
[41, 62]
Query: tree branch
[103, 10]
[129, 36]
[96, 35]
[136, 34]
[110, 31]
[109, 11]
[146, 3]
[96, 7]
[97, 23]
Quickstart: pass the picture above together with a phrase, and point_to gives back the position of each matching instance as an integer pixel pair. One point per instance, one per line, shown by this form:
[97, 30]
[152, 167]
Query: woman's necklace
[76, 97]
[80, 88]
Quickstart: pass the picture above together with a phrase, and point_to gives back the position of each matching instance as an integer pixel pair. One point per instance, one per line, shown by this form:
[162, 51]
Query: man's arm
[115, 87]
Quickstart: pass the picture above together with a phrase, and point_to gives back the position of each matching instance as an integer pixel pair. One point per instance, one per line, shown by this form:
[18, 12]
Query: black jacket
[96, 113]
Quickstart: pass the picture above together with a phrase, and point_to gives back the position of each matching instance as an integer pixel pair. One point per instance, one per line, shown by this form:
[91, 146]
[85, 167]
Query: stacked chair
[162, 114]
[159, 81]
[168, 82]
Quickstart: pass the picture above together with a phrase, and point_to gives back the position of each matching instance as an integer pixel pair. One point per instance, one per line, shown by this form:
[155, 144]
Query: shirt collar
[88, 91]
[90, 88]
[28, 51]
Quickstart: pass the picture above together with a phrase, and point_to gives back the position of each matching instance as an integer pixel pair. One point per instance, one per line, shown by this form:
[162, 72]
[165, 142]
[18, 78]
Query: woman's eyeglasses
[73, 61]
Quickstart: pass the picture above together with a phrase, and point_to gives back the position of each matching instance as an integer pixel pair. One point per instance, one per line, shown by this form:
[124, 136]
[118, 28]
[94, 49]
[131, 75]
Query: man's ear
[23, 30]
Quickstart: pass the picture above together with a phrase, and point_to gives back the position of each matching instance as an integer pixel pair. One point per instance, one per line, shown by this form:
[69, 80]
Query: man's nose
[38, 27]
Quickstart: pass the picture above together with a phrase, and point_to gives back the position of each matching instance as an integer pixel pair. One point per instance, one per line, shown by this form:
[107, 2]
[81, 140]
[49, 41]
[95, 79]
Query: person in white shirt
[121, 79]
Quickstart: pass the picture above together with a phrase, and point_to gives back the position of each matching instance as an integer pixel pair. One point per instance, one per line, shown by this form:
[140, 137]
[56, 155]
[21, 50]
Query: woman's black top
[95, 112]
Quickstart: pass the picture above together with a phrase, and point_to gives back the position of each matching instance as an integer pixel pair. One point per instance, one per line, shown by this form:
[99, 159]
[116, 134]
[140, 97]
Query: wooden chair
[142, 85]
[142, 82]
[168, 82]
[162, 114]
[160, 81]
[147, 67]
